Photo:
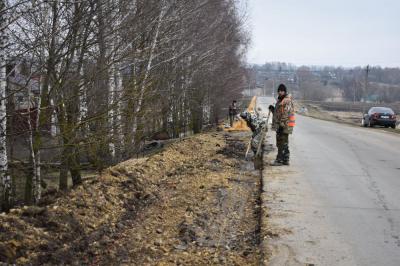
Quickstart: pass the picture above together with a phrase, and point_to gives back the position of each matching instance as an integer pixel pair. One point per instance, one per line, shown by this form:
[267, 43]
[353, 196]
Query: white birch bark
[118, 117]
[4, 176]
[83, 102]
[34, 156]
[83, 105]
[114, 113]
[149, 65]
[111, 99]
[37, 193]
[113, 85]
[53, 127]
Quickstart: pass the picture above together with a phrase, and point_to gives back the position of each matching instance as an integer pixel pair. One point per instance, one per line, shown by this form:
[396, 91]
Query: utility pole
[265, 86]
[366, 81]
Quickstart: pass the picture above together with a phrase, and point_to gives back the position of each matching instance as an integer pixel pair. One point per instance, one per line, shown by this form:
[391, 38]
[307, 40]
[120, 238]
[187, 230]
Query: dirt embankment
[195, 202]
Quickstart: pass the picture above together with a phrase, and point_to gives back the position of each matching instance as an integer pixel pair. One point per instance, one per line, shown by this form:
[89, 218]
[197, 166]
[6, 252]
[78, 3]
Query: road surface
[338, 203]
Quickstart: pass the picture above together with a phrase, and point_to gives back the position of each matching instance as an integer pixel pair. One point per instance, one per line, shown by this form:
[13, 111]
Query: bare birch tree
[4, 176]
[114, 73]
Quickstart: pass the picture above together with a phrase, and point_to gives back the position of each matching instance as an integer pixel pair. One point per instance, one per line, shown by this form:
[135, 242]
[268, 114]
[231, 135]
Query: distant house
[25, 91]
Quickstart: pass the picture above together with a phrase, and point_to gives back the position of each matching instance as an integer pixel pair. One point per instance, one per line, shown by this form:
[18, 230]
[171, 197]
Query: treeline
[373, 84]
[90, 80]
[369, 83]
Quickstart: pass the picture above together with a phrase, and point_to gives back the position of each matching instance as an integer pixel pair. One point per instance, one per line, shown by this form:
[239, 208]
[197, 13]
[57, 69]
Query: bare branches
[112, 73]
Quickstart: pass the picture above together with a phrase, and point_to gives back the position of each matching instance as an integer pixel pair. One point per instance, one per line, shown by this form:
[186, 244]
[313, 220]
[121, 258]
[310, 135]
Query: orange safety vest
[292, 120]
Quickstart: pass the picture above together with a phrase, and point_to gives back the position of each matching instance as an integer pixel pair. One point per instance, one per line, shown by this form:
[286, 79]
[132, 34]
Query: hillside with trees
[84, 84]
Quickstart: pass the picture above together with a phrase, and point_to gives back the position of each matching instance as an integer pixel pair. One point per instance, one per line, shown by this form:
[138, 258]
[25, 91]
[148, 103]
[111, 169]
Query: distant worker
[232, 112]
[283, 122]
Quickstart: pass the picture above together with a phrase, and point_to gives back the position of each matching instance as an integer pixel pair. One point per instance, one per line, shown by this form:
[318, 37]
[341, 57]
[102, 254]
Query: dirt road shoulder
[194, 203]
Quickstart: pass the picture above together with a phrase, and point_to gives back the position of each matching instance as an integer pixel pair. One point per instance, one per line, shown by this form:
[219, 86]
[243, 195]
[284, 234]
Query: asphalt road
[338, 203]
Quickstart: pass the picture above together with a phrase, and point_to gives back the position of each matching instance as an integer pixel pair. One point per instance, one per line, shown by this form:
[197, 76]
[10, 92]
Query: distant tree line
[92, 79]
[369, 83]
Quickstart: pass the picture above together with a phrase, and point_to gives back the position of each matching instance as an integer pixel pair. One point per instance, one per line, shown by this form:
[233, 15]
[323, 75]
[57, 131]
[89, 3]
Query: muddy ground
[197, 202]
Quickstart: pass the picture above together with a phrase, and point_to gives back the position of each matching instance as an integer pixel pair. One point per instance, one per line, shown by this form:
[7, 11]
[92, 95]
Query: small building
[24, 89]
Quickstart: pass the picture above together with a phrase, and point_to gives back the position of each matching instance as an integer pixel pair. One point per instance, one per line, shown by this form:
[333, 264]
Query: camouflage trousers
[255, 142]
[282, 143]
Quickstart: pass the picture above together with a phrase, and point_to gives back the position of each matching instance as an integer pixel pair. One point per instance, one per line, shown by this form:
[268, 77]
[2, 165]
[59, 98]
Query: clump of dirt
[65, 229]
[192, 203]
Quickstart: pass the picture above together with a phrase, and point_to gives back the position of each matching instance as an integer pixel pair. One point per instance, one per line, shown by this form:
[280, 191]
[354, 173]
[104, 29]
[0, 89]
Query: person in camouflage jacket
[283, 122]
[256, 124]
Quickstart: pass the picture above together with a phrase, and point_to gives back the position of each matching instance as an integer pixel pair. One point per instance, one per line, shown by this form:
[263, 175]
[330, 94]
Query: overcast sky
[321, 32]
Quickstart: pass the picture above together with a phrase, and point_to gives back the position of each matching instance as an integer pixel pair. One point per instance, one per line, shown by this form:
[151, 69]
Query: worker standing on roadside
[283, 122]
[232, 112]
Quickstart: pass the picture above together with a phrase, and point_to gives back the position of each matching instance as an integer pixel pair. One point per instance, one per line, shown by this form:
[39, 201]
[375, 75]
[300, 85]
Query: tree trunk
[33, 181]
[148, 67]
[63, 178]
[74, 166]
[4, 175]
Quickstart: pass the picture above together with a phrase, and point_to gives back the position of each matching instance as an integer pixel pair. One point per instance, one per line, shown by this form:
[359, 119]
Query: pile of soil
[195, 202]
[69, 226]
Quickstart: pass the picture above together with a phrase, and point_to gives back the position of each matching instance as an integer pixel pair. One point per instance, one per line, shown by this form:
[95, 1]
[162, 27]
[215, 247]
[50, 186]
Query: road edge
[263, 222]
[264, 212]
